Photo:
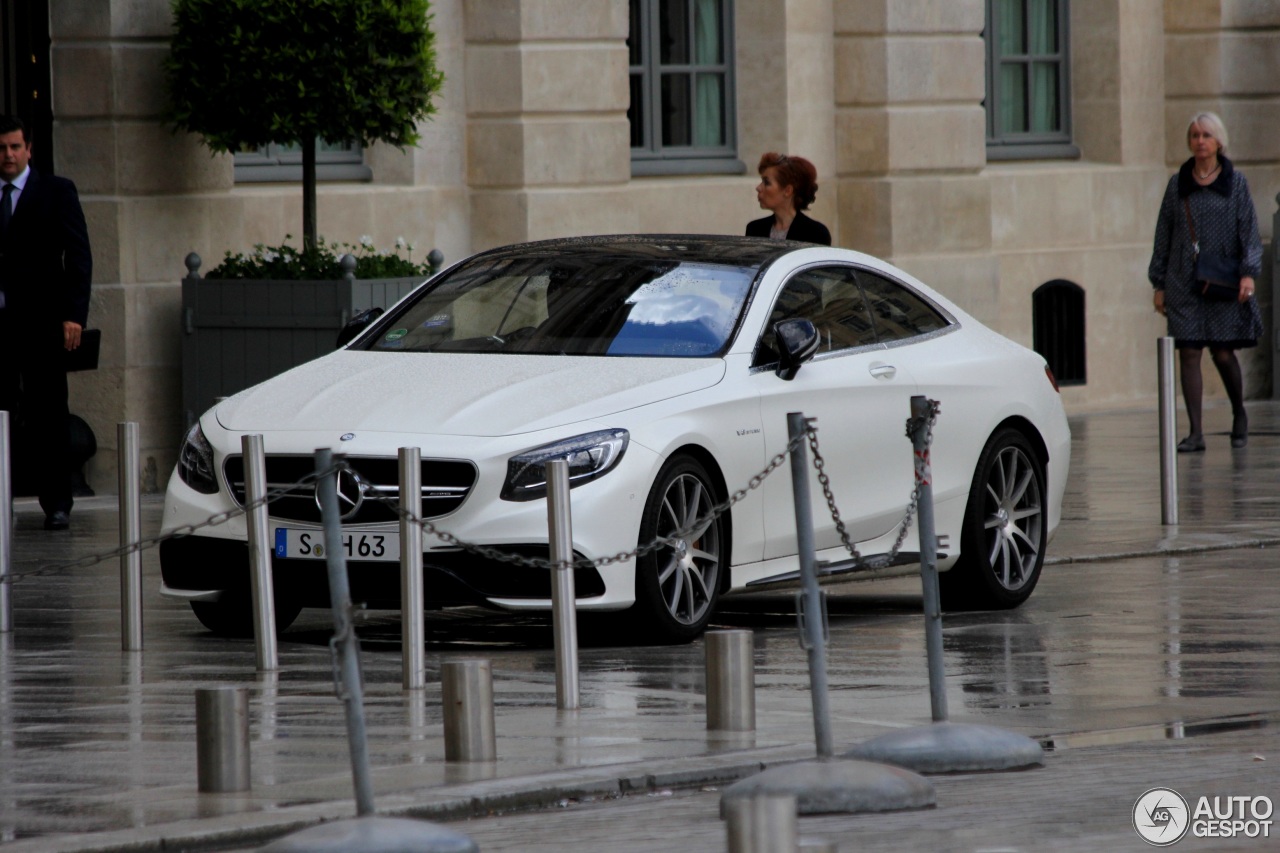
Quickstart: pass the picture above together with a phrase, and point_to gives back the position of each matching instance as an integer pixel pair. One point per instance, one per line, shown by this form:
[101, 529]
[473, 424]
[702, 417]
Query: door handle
[880, 370]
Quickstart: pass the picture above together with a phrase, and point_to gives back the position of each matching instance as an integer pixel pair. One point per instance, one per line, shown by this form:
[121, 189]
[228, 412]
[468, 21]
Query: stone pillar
[548, 142]
[911, 131]
[1224, 57]
[1118, 96]
[786, 86]
[107, 137]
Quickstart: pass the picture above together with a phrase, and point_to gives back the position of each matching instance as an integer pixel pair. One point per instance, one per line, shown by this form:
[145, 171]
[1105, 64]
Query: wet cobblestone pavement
[1147, 657]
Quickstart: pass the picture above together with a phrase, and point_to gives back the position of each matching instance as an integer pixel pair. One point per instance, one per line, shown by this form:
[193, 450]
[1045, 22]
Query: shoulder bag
[1216, 276]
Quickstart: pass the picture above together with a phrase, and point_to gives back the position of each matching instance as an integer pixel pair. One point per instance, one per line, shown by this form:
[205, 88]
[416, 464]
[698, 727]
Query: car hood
[459, 394]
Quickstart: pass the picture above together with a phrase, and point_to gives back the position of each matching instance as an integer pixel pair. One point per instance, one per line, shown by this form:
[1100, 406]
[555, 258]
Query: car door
[861, 397]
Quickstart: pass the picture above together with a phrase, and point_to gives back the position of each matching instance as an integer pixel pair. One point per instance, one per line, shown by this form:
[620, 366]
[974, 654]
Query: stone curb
[452, 803]
[1164, 552]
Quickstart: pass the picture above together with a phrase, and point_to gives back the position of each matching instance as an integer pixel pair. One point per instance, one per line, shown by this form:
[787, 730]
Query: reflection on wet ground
[1170, 645]
[1176, 730]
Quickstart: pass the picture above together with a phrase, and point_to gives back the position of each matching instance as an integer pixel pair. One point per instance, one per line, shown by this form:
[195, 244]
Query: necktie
[6, 208]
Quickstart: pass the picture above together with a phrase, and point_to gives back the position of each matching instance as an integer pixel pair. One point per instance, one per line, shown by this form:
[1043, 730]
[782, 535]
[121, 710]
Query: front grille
[445, 485]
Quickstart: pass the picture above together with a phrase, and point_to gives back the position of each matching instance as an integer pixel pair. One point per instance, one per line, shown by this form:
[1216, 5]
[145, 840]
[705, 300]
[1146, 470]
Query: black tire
[232, 615]
[1004, 536]
[677, 589]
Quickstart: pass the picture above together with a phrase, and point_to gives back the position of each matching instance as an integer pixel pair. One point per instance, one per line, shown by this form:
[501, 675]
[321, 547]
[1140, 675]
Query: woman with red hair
[787, 187]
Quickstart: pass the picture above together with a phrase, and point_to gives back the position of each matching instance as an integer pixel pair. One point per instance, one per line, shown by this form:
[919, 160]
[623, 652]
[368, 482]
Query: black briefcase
[85, 356]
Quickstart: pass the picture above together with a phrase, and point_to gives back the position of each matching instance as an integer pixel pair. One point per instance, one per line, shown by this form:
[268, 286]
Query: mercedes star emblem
[350, 492]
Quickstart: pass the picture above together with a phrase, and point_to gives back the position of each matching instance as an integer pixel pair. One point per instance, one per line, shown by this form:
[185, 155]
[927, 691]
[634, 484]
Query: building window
[681, 72]
[335, 161]
[1028, 80]
[1057, 323]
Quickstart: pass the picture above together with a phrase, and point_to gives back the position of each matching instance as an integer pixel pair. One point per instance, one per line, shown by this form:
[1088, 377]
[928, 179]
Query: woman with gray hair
[1207, 218]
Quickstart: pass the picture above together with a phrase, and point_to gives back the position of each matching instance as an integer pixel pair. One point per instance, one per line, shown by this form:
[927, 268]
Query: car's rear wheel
[232, 615]
[677, 587]
[1003, 540]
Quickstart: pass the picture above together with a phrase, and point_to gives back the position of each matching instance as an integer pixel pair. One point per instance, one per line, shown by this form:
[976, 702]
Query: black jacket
[802, 228]
[45, 262]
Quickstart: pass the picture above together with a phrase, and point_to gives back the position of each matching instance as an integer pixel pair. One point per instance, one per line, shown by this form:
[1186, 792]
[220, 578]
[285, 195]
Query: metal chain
[647, 548]
[487, 552]
[186, 530]
[913, 502]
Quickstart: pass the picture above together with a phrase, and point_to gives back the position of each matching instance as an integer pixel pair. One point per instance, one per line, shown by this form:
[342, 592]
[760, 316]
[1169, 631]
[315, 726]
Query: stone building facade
[891, 99]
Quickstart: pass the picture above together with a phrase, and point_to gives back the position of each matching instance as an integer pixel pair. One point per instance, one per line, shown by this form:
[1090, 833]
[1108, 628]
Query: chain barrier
[811, 434]
[490, 553]
[649, 547]
[186, 530]
[885, 560]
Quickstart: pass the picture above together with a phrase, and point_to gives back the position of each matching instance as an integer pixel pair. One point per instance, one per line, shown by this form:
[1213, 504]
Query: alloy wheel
[1013, 518]
[689, 572]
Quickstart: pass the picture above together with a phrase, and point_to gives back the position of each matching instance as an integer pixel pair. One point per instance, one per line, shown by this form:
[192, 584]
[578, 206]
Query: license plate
[375, 546]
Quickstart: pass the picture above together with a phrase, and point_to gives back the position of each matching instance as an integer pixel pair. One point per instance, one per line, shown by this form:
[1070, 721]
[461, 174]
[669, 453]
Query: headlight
[195, 462]
[589, 456]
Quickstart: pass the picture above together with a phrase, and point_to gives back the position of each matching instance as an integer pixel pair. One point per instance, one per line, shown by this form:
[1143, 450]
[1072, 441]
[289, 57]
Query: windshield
[558, 305]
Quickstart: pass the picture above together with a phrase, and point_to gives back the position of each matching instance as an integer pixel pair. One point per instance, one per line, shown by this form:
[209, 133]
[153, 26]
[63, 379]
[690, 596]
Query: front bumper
[606, 521]
[204, 568]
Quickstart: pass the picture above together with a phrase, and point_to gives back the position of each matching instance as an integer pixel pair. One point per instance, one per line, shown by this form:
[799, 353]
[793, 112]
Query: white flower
[269, 256]
[400, 244]
[366, 240]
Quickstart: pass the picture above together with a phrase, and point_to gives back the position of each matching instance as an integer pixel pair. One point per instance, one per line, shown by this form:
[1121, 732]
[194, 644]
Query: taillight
[1052, 380]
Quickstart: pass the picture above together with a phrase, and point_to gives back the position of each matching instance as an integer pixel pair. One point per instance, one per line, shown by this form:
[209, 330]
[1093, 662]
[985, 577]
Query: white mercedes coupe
[662, 368]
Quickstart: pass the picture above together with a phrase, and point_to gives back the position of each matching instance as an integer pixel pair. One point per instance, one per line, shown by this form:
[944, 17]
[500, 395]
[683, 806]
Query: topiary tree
[245, 73]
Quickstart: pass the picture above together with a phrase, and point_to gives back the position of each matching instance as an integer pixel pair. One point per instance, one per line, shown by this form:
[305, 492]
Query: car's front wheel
[1003, 540]
[232, 615]
[677, 586]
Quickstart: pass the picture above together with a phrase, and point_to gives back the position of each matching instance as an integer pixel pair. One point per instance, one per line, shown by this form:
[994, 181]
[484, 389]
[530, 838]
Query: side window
[335, 161]
[898, 313]
[829, 298]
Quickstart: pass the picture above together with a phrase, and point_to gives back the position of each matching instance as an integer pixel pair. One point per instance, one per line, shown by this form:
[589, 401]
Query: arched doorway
[1058, 329]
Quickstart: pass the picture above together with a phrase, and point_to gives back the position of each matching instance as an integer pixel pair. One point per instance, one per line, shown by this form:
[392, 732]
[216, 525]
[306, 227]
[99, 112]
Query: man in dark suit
[45, 268]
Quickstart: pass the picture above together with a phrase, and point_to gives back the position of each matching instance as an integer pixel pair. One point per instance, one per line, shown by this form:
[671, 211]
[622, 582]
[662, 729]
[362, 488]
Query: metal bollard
[564, 614]
[413, 674]
[345, 645]
[222, 739]
[731, 682]
[6, 528]
[810, 599]
[130, 535]
[920, 412]
[764, 823]
[467, 687]
[1168, 433]
[260, 548]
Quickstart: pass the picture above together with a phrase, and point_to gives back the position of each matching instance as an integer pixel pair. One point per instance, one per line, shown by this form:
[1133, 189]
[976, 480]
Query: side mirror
[797, 343]
[356, 325]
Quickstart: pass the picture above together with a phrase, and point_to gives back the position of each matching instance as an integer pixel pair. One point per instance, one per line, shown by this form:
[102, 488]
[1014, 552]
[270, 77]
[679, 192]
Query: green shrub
[320, 262]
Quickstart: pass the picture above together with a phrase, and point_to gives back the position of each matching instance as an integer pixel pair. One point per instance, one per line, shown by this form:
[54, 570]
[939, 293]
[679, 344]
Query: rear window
[898, 313]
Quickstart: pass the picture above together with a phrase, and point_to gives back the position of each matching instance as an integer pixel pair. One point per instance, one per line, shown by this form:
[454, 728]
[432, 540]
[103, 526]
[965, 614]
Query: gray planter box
[239, 332]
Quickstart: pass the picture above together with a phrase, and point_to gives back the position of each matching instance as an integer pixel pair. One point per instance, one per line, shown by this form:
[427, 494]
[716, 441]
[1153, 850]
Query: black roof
[708, 248]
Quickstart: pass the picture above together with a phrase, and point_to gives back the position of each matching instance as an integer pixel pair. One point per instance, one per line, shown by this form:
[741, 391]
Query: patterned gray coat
[1225, 222]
